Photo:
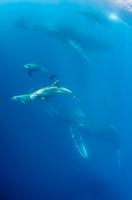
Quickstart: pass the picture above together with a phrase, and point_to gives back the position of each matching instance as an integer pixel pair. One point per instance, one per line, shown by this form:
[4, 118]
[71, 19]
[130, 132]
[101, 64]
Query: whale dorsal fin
[56, 83]
[31, 91]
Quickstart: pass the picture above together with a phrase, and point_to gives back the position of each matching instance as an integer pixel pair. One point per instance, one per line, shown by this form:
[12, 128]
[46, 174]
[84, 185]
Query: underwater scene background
[69, 136]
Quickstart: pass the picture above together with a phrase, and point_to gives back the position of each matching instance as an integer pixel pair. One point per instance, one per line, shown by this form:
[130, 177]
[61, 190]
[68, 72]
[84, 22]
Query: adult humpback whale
[77, 40]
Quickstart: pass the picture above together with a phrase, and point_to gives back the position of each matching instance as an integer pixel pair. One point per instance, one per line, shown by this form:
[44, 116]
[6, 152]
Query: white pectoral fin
[78, 142]
[79, 49]
[30, 73]
[82, 148]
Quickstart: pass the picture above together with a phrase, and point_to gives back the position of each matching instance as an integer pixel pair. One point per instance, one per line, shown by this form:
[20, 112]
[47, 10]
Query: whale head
[29, 66]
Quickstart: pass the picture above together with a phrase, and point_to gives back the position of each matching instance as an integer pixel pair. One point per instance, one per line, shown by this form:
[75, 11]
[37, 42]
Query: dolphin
[21, 98]
[50, 91]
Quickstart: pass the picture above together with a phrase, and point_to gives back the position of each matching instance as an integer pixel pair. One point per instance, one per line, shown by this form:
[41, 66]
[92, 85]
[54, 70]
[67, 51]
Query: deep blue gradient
[38, 157]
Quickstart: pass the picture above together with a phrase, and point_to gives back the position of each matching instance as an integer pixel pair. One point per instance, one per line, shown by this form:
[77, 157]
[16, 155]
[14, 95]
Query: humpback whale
[33, 67]
[43, 93]
[50, 91]
[75, 39]
[95, 17]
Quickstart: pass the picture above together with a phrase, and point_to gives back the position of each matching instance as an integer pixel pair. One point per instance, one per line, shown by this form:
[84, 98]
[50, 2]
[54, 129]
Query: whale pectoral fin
[30, 73]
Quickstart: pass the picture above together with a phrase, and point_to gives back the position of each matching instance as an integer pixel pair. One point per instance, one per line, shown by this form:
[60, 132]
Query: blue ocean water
[65, 147]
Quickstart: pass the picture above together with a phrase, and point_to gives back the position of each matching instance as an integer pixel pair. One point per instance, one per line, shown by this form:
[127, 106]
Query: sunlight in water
[113, 17]
[126, 4]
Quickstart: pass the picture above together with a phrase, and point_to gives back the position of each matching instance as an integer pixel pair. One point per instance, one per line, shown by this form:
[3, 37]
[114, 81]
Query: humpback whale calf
[35, 67]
